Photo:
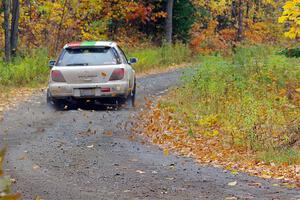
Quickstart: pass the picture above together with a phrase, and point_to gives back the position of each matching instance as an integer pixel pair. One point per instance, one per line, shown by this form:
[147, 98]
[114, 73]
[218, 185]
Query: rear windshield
[88, 56]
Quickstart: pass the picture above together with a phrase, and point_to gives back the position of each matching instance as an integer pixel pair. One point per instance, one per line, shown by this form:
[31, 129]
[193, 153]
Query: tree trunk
[169, 21]
[58, 35]
[257, 10]
[247, 9]
[240, 21]
[7, 49]
[15, 26]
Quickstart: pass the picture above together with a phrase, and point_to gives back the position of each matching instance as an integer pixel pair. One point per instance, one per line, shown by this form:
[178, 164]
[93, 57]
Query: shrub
[291, 53]
[160, 57]
[254, 97]
[25, 69]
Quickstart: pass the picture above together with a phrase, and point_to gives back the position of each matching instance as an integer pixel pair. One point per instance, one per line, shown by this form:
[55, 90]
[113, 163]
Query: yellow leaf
[232, 183]
[166, 152]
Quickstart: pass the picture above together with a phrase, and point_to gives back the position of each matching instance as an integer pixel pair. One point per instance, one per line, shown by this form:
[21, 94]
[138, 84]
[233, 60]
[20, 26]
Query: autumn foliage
[51, 24]
[207, 25]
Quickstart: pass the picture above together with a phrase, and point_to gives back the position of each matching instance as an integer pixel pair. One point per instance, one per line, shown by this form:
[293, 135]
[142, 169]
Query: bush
[160, 57]
[253, 98]
[25, 69]
[291, 53]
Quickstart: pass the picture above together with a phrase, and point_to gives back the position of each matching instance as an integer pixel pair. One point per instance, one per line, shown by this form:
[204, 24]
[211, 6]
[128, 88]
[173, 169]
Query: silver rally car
[93, 71]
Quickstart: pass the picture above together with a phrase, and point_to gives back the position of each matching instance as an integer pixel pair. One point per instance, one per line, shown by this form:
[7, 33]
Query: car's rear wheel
[58, 104]
[131, 97]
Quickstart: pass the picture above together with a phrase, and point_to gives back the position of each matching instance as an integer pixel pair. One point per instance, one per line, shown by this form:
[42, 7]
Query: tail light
[57, 76]
[118, 74]
[105, 89]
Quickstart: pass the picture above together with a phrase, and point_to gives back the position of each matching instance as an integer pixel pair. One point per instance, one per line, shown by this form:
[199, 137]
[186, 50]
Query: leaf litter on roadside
[160, 127]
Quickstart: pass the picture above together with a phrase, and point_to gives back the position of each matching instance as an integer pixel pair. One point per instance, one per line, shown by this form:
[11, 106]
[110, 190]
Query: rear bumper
[64, 90]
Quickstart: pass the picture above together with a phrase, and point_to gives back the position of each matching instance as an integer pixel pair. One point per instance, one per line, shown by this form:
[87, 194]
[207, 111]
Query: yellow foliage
[290, 16]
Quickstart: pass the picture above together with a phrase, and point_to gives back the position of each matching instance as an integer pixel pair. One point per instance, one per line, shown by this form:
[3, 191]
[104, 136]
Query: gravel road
[87, 154]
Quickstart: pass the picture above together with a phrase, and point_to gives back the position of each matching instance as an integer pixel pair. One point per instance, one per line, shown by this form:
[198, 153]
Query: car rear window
[87, 56]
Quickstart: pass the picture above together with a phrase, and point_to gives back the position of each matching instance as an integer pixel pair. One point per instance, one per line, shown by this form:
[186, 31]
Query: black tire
[131, 96]
[58, 104]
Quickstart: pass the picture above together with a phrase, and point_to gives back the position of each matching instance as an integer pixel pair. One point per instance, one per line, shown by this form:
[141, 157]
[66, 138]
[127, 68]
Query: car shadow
[90, 106]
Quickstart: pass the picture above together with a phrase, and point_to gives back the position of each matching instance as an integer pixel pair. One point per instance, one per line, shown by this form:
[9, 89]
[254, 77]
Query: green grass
[160, 57]
[26, 70]
[283, 156]
[251, 95]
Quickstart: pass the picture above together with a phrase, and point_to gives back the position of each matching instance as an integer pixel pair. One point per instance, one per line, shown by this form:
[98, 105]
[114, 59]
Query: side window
[123, 56]
[117, 55]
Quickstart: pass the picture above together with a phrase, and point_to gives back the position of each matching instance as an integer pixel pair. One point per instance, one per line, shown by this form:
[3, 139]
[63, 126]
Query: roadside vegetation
[161, 57]
[240, 111]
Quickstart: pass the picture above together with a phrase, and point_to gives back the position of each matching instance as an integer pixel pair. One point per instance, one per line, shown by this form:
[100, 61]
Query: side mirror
[133, 60]
[52, 63]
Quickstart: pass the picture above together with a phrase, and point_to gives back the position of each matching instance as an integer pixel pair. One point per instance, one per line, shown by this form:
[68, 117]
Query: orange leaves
[54, 23]
[137, 11]
[161, 128]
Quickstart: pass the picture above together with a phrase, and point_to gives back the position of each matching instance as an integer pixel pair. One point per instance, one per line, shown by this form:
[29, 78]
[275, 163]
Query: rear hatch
[93, 64]
[87, 74]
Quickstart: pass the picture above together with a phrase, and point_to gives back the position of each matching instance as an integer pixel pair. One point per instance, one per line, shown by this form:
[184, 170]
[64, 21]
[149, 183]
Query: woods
[205, 25]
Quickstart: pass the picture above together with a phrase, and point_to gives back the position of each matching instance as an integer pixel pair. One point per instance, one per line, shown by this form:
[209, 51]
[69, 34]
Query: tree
[240, 21]
[169, 21]
[11, 27]
[184, 16]
[7, 49]
[15, 26]
[290, 16]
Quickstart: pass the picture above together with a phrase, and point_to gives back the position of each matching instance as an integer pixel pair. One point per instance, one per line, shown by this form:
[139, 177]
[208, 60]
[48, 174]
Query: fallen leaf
[12, 197]
[166, 152]
[265, 176]
[108, 133]
[234, 183]
[170, 178]
[23, 157]
[35, 167]
[13, 180]
[289, 185]
[231, 198]
[234, 172]
[2, 154]
[255, 184]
